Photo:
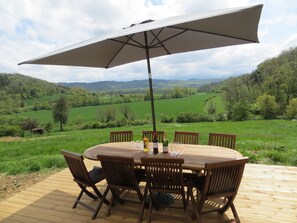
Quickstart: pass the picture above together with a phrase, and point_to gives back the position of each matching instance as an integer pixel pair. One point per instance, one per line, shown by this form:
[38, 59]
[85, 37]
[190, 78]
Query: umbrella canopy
[151, 39]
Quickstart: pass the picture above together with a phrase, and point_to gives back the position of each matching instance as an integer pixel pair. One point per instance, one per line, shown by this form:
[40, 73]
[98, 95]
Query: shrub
[48, 126]
[138, 122]
[29, 124]
[107, 114]
[167, 119]
[193, 117]
[211, 107]
[127, 112]
[10, 130]
[221, 117]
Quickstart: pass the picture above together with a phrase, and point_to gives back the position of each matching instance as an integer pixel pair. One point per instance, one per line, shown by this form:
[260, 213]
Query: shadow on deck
[267, 194]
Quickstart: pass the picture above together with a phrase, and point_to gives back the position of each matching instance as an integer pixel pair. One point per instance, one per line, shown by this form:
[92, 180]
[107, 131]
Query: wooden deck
[267, 194]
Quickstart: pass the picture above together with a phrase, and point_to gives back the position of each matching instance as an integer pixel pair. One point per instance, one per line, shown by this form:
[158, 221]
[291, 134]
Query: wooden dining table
[195, 156]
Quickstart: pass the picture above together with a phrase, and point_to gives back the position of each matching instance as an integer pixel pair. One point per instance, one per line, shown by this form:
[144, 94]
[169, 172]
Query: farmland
[141, 109]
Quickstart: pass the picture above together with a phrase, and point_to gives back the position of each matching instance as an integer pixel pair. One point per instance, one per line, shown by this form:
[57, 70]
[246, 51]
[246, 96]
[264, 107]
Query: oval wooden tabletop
[195, 156]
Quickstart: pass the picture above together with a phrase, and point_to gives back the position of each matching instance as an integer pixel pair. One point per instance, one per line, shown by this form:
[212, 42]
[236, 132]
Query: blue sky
[32, 28]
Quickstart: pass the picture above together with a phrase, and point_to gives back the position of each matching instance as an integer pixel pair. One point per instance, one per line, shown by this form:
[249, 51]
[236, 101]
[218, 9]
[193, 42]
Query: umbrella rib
[138, 44]
[115, 55]
[216, 34]
[159, 42]
[124, 43]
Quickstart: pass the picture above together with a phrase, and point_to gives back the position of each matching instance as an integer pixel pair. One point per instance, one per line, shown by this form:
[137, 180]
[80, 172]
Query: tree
[60, 111]
[127, 112]
[267, 106]
[240, 111]
[291, 111]
[211, 107]
[107, 114]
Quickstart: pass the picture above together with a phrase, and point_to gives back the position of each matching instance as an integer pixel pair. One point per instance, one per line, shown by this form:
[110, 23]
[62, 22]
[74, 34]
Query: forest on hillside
[270, 90]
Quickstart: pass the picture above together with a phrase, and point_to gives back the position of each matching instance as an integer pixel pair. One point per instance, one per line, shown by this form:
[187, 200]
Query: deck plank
[267, 194]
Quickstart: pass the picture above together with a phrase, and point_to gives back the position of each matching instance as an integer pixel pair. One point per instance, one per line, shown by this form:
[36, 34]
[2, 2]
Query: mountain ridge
[157, 84]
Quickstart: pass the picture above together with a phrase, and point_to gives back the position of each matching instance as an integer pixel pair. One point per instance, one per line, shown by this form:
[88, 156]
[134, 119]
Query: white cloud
[31, 28]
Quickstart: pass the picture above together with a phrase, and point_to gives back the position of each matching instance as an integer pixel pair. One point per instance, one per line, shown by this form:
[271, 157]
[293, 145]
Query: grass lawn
[141, 109]
[264, 141]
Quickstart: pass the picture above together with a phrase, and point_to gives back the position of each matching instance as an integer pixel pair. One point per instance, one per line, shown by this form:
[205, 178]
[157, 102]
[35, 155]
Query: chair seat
[140, 174]
[97, 174]
[196, 182]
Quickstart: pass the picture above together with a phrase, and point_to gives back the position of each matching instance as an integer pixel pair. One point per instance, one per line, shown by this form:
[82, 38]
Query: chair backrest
[119, 171]
[150, 135]
[75, 162]
[186, 137]
[223, 178]
[121, 136]
[164, 174]
[224, 140]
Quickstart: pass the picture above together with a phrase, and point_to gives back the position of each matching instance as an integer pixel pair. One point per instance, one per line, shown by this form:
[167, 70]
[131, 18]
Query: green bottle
[165, 144]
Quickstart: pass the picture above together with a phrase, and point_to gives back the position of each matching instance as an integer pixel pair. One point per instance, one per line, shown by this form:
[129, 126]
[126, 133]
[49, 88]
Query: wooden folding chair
[150, 135]
[84, 179]
[121, 136]
[222, 179]
[186, 137]
[224, 140]
[163, 175]
[120, 176]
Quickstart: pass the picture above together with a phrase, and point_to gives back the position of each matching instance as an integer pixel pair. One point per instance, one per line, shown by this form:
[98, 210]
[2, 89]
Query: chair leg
[143, 204]
[84, 189]
[109, 206]
[77, 199]
[234, 213]
[98, 193]
[194, 204]
[149, 216]
[139, 194]
[186, 207]
[100, 203]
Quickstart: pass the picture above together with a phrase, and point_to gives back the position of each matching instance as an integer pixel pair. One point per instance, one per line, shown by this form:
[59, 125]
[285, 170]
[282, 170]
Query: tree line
[269, 91]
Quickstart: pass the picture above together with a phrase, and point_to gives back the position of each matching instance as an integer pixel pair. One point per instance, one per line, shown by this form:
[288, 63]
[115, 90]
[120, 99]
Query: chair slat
[224, 140]
[121, 136]
[186, 137]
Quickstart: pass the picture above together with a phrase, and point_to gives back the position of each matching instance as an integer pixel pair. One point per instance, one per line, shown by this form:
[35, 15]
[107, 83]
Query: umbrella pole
[150, 81]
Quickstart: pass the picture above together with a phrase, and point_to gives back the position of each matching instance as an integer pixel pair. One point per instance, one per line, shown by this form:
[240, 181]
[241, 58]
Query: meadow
[140, 109]
[264, 141]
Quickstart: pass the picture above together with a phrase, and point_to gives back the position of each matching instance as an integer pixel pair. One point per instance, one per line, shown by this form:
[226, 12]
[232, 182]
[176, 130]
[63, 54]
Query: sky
[30, 28]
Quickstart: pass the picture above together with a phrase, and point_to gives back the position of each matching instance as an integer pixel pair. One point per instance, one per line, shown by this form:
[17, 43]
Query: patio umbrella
[161, 37]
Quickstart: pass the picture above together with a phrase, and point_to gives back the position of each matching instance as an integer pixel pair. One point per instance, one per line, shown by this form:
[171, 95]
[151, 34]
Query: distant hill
[157, 83]
[18, 86]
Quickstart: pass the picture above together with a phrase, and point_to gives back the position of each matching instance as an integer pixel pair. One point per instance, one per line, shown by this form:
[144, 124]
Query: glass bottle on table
[155, 143]
[165, 144]
[145, 143]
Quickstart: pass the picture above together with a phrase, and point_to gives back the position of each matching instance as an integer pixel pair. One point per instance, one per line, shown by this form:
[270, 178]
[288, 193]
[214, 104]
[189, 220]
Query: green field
[141, 110]
[267, 142]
